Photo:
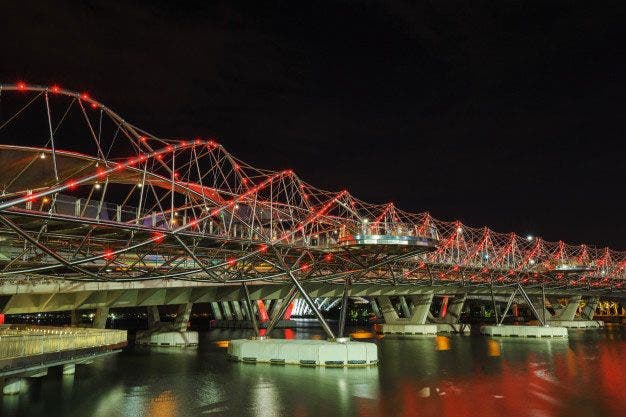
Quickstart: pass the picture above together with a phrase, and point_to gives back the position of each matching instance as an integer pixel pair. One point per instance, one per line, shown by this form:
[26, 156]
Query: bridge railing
[20, 341]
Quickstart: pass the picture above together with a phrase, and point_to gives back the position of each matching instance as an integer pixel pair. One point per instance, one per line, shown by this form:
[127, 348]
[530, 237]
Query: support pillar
[181, 322]
[422, 304]
[69, 369]
[74, 318]
[455, 308]
[153, 316]
[215, 308]
[404, 307]
[444, 307]
[415, 323]
[389, 313]
[100, 318]
[344, 308]
[375, 309]
[237, 310]
[13, 386]
[569, 311]
[228, 315]
[590, 308]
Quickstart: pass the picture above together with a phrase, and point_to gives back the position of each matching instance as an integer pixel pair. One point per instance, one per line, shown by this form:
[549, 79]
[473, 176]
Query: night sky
[504, 113]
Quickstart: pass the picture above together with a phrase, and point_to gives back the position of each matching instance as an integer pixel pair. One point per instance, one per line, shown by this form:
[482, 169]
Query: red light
[94, 105]
[101, 173]
[263, 248]
[176, 175]
[305, 267]
[197, 141]
[55, 89]
[142, 157]
[84, 96]
[132, 162]
[236, 166]
[108, 254]
[232, 261]
[71, 185]
[158, 237]
[159, 156]
[119, 167]
[169, 148]
[21, 86]
[328, 257]
[142, 138]
[193, 223]
[184, 143]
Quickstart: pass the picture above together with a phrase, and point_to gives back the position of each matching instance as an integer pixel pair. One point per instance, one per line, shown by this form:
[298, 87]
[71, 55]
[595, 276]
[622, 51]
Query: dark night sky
[504, 113]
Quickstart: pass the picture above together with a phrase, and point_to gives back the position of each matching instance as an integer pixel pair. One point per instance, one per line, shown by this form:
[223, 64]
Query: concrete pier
[578, 324]
[174, 338]
[303, 352]
[523, 331]
[168, 334]
[13, 386]
[408, 329]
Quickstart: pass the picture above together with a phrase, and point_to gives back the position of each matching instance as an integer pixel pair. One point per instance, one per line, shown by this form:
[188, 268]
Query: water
[430, 376]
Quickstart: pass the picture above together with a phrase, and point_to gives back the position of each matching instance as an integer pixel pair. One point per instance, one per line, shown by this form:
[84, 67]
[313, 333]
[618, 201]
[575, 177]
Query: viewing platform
[28, 351]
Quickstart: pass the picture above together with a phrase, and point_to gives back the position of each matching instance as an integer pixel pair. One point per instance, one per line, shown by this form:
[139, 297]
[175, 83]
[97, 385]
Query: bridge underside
[63, 296]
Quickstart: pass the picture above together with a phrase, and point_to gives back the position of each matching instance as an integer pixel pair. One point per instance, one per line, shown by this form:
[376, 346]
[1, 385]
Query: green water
[440, 376]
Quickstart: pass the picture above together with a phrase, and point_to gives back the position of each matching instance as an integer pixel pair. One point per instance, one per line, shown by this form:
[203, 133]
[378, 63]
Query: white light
[97, 186]
[366, 220]
[236, 206]
[139, 185]
[529, 238]
[532, 261]
[42, 156]
[459, 230]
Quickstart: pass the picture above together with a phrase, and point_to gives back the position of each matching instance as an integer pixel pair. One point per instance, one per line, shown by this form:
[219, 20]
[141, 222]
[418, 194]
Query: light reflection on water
[440, 376]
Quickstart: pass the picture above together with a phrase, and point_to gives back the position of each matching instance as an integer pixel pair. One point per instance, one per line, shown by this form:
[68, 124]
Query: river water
[439, 376]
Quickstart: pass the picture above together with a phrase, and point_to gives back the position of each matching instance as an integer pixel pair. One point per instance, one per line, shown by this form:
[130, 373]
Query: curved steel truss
[88, 196]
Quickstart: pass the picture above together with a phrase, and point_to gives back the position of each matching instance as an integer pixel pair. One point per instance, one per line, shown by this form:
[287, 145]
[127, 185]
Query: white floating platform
[408, 329]
[578, 324]
[171, 338]
[453, 328]
[524, 331]
[303, 352]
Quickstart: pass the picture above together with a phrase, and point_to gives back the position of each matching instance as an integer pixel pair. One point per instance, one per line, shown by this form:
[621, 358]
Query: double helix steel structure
[87, 196]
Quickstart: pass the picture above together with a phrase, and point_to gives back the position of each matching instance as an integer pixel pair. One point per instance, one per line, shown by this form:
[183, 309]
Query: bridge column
[422, 304]
[569, 311]
[237, 310]
[100, 318]
[168, 334]
[590, 308]
[404, 307]
[455, 308]
[154, 318]
[74, 318]
[228, 315]
[181, 322]
[415, 323]
[375, 308]
[388, 311]
[215, 307]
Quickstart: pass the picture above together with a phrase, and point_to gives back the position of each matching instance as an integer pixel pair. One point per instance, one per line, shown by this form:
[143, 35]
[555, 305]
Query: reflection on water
[440, 376]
